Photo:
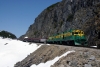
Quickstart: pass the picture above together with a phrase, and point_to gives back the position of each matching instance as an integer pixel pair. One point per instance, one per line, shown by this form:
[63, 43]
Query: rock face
[66, 15]
[82, 57]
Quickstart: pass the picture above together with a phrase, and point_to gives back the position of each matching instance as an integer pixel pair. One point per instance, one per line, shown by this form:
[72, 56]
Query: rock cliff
[66, 15]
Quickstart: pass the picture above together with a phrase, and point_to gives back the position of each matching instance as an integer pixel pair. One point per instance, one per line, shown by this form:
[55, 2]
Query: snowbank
[12, 51]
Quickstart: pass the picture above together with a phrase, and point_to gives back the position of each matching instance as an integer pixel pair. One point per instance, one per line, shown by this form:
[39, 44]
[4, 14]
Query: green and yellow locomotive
[71, 37]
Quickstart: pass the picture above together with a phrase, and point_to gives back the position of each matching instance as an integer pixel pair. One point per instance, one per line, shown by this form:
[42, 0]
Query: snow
[49, 63]
[12, 51]
[26, 37]
[94, 46]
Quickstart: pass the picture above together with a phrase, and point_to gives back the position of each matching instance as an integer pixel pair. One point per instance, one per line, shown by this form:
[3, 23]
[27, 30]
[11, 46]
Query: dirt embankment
[82, 57]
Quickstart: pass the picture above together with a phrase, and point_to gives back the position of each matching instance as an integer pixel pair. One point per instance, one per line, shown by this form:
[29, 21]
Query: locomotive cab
[79, 37]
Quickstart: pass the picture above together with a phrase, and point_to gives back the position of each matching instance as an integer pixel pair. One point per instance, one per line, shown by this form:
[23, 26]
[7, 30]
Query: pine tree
[6, 34]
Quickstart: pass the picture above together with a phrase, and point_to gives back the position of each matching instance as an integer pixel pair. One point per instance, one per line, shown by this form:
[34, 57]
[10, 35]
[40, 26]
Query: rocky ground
[82, 57]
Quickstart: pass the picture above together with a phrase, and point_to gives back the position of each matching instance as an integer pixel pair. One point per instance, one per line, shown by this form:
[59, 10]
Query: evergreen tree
[6, 34]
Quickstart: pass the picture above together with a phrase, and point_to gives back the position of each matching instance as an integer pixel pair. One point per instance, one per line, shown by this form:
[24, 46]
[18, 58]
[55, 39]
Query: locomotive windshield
[77, 33]
[73, 33]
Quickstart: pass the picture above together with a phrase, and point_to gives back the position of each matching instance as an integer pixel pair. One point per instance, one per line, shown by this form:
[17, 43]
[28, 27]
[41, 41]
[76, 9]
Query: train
[71, 37]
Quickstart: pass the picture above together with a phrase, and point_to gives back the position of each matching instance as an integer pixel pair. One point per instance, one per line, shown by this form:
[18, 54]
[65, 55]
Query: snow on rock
[12, 51]
[49, 63]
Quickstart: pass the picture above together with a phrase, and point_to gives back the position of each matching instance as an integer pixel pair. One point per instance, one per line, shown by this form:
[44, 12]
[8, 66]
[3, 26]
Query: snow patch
[49, 63]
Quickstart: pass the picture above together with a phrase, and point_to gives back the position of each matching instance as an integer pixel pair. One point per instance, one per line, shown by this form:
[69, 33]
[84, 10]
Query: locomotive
[71, 37]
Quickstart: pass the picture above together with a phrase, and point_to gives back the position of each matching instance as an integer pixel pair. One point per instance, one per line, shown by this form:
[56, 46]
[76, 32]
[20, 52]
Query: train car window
[79, 32]
[82, 32]
[76, 33]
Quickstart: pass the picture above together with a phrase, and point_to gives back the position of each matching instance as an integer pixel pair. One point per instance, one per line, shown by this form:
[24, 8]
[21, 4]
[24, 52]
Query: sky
[17, 15]
[13, 51]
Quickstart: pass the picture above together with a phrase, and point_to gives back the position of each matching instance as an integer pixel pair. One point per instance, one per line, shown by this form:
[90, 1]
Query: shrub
[70, 17]
[61, 23]
[52, 6]
[35, 32]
